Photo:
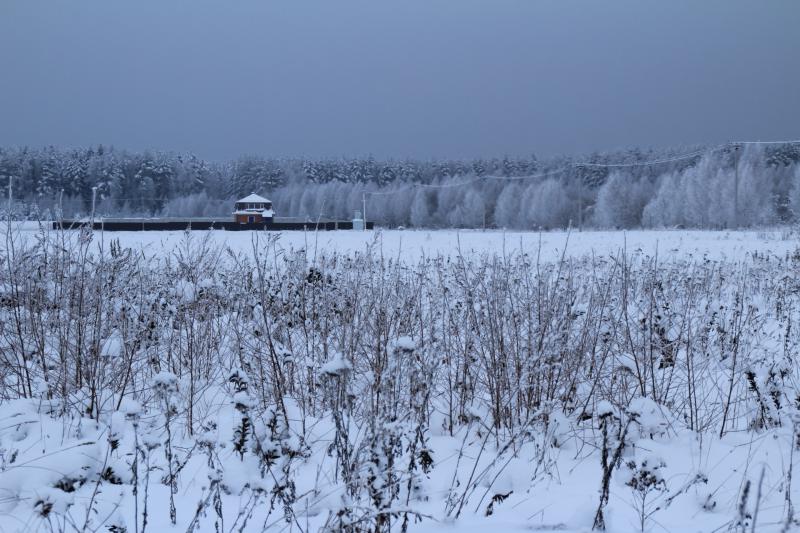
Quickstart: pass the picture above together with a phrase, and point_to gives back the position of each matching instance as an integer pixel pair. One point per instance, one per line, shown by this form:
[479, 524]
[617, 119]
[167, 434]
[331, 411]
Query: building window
[251, 219]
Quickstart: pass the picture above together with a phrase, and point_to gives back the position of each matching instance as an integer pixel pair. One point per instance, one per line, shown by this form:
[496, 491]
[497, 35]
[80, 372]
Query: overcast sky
[417, 78]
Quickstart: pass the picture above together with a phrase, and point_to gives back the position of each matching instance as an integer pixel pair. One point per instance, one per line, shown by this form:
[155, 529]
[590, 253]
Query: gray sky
[417, 78]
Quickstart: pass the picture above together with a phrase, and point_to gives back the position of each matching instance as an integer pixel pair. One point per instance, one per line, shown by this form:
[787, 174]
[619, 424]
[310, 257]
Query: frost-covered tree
[420, 215]
[696, 192]
[547, 205]
[470, 212]
[507, 212]
[704, 196]
[621, 200]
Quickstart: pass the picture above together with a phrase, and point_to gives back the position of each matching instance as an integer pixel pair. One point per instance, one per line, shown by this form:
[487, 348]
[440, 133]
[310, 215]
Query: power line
[533, 176]
[766, 142]
[541, 175]
[466, 182]
[681, 157]
[424, 185]
[652, 162]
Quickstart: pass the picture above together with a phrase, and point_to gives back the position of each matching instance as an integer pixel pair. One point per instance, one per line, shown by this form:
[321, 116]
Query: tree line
[518, 193]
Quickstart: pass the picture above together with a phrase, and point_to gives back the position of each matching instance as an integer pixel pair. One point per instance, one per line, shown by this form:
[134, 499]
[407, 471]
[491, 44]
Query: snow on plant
[165, 389]
[614, 432]
[645, 476]
[272, 388]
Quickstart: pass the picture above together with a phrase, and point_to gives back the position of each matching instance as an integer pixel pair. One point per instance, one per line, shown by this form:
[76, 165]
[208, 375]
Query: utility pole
[94, 196]
[580, 199]
[10, 198]
[364, 208]
[736, 187]
[61, 205]
[580, 207]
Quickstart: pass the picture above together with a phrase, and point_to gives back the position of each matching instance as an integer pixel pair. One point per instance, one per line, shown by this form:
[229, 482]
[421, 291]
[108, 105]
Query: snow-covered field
[378, 381]
[413, 245]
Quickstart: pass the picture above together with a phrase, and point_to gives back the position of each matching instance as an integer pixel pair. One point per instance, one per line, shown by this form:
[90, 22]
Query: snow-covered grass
[378, 381]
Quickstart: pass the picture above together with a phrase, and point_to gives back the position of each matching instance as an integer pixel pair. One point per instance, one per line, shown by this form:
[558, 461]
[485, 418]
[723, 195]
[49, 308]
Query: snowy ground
[411, 245]
[506, 373]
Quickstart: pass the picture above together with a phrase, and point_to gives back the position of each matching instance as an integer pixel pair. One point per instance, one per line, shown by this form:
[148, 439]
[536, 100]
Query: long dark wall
[178, 225]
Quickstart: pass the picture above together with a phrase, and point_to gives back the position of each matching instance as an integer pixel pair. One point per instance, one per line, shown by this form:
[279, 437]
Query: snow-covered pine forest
[205, 387]
[693, 192]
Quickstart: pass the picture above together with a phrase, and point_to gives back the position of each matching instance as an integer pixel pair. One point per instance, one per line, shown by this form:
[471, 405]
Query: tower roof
[253, 199]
